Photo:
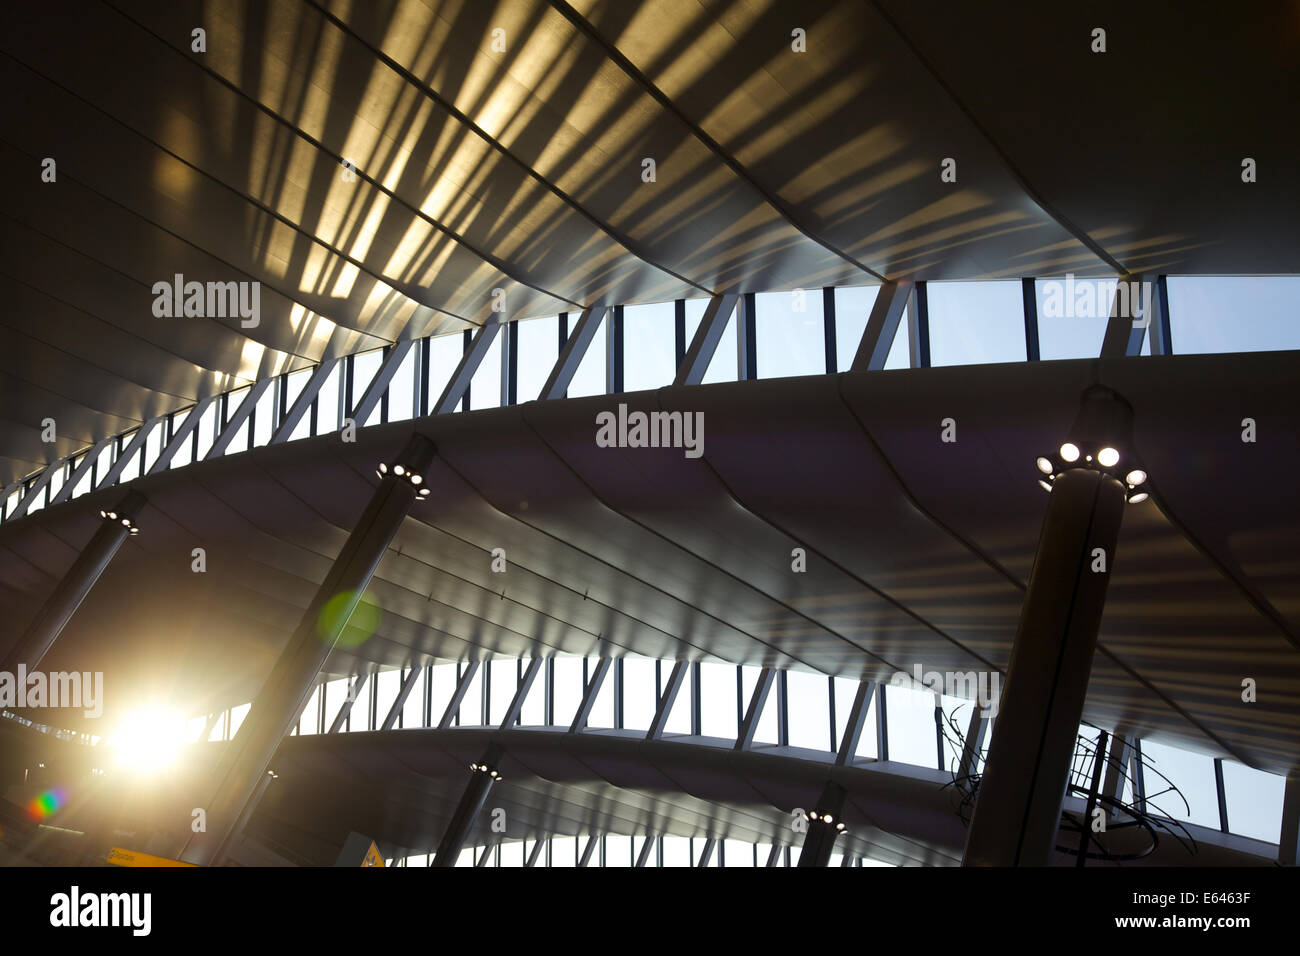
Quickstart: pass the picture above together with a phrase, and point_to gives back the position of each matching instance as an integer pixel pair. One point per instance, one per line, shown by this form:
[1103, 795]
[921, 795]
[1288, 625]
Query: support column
[824, 825]
[276, 708]
[1022, 789]
[59, 607]
[483, 775]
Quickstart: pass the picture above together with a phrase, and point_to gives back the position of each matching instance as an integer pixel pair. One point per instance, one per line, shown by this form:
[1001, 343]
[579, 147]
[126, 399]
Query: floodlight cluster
[412, 478]
[1105, 459]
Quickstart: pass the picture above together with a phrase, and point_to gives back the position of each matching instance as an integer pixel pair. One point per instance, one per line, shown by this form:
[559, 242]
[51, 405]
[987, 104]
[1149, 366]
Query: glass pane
[737, 853]
[638, 693]
[649, 346]
[973, 323]
[564, 851]
[768, 719]
[237, 715]
[309, 719]
[568, 689]
[911, 726]
[679, 718]
[471, 705]
[505, 680]
[725, 364]
[512, 853]
[264, 417]
[153, 445]
[809, 710]
[387, 684]
[328, 412]
[718, 700]
[207, 430]
[1233, 313]
[445, 353]
[401, 391]
[677, 851]
[364, 368]
[538, 347]
[413, 706]
[1254, 801]
[590, 377]
[618, 850]
[534, 709]
[790, 335]
[443, 686]
[485, 386]
[602, 711]
[1192, 774]
[1072, 316]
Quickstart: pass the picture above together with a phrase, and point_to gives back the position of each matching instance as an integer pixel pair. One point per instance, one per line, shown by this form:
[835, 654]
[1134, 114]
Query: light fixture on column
[1095, 441]
[484, 768]
[410, 476]
[123, 520]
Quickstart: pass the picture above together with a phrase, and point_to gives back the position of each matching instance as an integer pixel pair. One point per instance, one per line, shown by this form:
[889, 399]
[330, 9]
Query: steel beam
[390, 721]
[1029, 300]
[572, 352]
[37, 489]
[857, 720]
[469, 363]
[534, 853]
[589, 695]
[707, 336]
[182, 434]
[587, 850]
[525, 685]
[706, 853]
[643, 856]
[87, 463]
[1113, 784]
[774, 856]
[918, 328]
[1288, 850]
[75, 584]
[1161, 336]
[1123, 335]
[374, 392]
[976, 730]
[458, 695]
[345, 708]
[227, 432]
[482, 777]
[302, 404]
[882, 325]
[277, 706]
[109, 478]
[762, 687]
[666, 700]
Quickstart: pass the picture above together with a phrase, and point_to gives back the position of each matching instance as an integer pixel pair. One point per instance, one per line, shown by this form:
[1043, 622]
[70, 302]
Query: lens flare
[360, 624]
[45, 805]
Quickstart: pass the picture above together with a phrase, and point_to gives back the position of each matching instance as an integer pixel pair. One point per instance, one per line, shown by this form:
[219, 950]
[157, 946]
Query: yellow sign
[119, 857]
[373, 857]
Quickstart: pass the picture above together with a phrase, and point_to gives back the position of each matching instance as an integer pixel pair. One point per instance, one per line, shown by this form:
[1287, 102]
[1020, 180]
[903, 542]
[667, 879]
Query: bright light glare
[1044, 466]
[148, 740]
[1070, 451]
[1108, 457]
[1136, 476]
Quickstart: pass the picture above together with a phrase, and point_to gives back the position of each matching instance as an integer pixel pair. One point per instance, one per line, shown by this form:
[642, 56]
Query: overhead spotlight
[1044, 465]
[423, 492]
[112, 516]
[474, 767]
[812, 816]
[1108, 457]
[398, 470]
[828, 818]
[840, 826]
[1046, 485]
[1140, 497]
[1136, 477]
[416, 479]
[103, 513]
[1070, 451]
[127, 522]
